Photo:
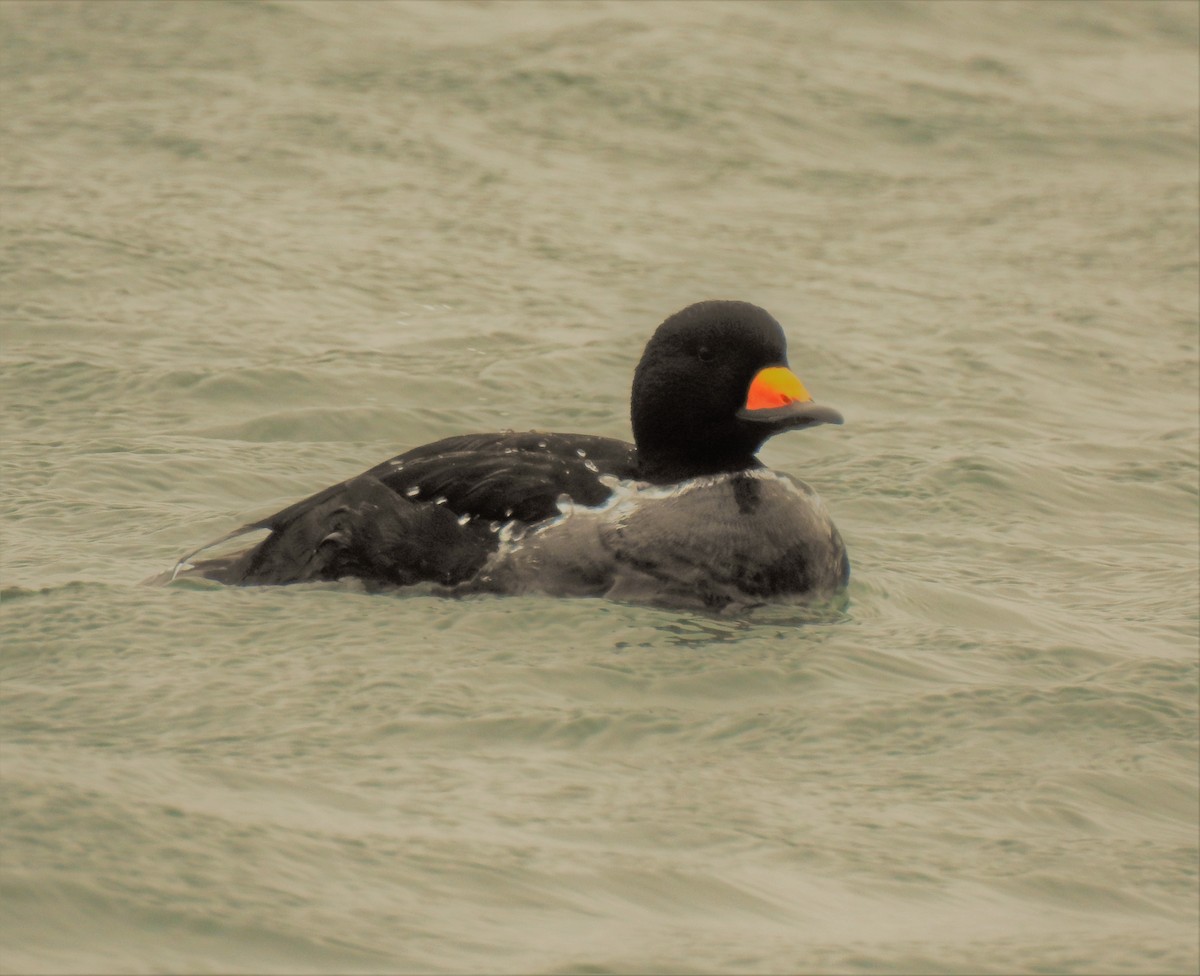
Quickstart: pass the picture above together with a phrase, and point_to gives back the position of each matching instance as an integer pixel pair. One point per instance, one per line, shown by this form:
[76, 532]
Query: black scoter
[685, 516]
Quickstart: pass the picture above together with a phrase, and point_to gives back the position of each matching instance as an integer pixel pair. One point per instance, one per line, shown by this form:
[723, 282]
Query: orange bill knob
[778, 400]
[775, 386]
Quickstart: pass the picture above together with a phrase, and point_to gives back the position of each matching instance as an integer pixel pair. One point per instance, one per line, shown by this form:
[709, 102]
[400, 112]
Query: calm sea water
[252, 249]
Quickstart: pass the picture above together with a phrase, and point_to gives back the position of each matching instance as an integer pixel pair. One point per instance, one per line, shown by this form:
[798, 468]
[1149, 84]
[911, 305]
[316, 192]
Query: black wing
[501, 477]
[426, 514]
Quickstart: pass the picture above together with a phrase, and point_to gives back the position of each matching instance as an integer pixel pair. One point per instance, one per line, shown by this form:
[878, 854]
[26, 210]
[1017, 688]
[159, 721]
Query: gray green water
[252, 249]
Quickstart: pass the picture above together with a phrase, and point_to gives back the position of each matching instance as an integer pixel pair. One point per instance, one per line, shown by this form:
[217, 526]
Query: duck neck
[668, 467]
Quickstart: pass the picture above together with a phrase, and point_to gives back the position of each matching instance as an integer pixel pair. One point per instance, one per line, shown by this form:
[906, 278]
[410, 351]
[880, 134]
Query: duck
[686, 515]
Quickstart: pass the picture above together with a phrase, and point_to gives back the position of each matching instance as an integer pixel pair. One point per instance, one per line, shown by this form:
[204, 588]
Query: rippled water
[252, 249]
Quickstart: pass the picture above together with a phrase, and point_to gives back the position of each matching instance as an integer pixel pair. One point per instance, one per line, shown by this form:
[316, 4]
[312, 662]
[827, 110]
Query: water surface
[253, 249]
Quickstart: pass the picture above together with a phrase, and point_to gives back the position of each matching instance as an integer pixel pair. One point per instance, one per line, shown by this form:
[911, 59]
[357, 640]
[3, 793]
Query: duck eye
[705, 355]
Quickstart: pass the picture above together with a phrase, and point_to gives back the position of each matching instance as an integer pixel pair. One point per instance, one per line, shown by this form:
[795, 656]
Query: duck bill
[777, 397]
